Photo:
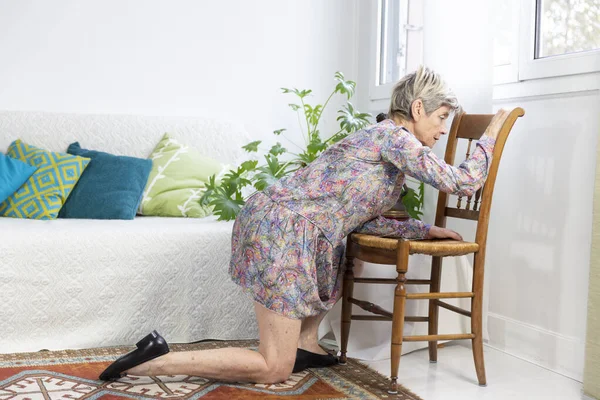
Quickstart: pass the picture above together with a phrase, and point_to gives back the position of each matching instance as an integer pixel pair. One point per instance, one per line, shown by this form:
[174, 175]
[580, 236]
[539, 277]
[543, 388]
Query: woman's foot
[306, 359]
[149, 368]
[149, 348]
[312, 347]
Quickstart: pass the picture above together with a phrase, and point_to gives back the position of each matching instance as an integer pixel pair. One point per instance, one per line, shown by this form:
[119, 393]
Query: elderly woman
[288, 241]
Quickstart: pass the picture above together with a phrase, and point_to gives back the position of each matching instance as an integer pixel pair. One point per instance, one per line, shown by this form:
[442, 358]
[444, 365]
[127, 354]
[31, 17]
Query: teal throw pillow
[13, 174]
[110, 188]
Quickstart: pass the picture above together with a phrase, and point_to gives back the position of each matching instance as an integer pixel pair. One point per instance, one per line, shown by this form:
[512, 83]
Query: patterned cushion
[177, 180]
[44, 193]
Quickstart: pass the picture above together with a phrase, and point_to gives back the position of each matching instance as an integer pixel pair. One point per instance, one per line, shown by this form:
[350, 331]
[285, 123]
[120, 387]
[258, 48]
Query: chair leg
[436, 273]
[347, 290]
[477, 319]
[398, 314]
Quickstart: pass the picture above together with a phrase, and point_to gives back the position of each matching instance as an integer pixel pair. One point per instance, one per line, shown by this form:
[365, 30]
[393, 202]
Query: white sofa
[72, 283]
[85, 283]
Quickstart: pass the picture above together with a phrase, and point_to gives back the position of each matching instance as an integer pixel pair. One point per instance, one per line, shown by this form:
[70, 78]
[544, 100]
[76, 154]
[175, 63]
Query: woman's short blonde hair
[424, 84]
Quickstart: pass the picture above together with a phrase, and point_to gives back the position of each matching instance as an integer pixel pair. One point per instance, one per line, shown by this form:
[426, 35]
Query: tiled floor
[453, 377]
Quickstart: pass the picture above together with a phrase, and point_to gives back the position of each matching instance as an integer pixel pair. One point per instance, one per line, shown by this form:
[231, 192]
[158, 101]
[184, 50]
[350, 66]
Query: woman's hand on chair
[436, 232]
[494, 127]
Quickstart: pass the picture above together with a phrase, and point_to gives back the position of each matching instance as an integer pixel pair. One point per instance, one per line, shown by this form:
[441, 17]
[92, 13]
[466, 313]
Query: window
[545, 38]
[399, 43]
[566, 26]
[392, 40]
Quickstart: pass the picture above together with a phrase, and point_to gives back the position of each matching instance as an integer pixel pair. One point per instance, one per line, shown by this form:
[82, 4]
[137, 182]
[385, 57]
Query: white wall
[183, 57]
[541, 222]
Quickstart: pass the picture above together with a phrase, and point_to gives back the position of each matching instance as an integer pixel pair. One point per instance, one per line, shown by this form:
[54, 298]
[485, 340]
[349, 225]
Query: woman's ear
[417, 109]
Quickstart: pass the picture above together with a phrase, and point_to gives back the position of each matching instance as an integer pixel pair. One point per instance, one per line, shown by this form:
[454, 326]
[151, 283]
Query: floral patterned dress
[288, 241]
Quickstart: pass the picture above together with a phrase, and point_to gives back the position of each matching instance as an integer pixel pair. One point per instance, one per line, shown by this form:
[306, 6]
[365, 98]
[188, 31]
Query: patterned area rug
[73, 374]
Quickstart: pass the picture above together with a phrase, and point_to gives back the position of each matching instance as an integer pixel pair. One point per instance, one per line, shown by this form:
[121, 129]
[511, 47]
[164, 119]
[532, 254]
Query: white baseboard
[559, 353]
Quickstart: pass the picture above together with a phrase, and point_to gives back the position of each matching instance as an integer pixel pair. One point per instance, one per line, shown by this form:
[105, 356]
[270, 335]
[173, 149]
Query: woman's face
[428, 128]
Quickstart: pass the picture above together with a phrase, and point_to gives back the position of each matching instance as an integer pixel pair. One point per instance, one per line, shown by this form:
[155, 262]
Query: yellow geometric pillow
[44, 193]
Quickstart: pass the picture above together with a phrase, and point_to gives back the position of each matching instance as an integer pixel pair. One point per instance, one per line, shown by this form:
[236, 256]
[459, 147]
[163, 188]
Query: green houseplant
[226, 195]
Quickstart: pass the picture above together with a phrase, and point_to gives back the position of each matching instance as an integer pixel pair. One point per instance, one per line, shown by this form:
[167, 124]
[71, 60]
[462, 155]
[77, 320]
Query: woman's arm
[403, 150]
[408, 229]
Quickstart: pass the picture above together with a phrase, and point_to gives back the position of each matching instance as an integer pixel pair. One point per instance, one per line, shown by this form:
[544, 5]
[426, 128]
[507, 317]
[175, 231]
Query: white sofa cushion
[85, 283]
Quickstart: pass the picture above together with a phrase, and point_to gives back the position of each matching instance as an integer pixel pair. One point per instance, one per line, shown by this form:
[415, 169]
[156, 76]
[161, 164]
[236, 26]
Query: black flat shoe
[306, 359]
[150, 347]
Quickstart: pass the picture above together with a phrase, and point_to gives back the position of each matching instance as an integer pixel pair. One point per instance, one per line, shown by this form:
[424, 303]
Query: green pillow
[45, 192]
[176, 181]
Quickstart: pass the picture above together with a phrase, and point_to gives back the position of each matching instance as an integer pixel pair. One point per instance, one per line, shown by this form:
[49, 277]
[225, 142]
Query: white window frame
[508, 73]
[414, 27]
[566, 64]
[524, 65]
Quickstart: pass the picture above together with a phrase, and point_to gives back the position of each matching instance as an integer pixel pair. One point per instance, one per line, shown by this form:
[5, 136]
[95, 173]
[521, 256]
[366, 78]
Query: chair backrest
[471, 127]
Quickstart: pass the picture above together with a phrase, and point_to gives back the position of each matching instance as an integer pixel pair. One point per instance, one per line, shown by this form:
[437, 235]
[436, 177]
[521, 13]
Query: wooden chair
[383, 250]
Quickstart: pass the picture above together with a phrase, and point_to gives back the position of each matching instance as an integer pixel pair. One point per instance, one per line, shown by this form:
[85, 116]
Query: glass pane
[567, 26]
[503, 31]
[392, 51]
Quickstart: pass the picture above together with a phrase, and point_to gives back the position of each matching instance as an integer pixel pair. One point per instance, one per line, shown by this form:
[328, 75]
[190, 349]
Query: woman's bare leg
[271, 364]
[309, 334]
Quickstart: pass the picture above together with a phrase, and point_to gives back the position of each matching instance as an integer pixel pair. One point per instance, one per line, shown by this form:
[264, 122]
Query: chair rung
[392, 281]
[429, 338]
[370, 318]
[460, 213]
[375, 280]
[443, 295]
[454, 308]
[416, 319]
[418, 282]
[382, 318]
[370, 307]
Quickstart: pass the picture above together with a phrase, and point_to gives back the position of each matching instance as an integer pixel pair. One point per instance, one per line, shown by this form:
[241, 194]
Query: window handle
[409, 27]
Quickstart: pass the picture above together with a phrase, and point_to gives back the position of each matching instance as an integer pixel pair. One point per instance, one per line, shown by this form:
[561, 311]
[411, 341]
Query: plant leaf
[249, 165]
[344, 86]
[263, 181]
[270, 173]
[413, 201]
[306, 158]
[315, 114]
[227, 207]
[300, 93]
[234, 181]
[351, 120]
[279, 131]
[210, 187]
[277, 149]
[252, 146]
[337, 137]
[273, 167]
[316, 147]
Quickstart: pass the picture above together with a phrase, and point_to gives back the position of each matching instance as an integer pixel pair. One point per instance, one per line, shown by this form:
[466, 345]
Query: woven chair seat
[442, 248]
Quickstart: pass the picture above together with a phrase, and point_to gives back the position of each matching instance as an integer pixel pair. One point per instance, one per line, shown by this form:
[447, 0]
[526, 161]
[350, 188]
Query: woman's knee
[277, 371]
